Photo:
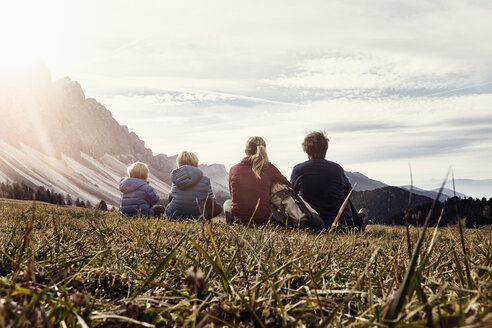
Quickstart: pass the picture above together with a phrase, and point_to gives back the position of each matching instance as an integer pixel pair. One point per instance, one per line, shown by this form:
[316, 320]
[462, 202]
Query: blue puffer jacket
[137, 197]
[188, 193]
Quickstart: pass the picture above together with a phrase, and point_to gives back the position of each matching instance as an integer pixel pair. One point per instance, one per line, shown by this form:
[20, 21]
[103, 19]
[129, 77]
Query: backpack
[288, 208]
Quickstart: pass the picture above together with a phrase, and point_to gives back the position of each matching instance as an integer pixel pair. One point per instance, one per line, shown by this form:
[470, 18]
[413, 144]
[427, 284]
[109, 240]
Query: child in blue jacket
[191, 194]
[138, 197]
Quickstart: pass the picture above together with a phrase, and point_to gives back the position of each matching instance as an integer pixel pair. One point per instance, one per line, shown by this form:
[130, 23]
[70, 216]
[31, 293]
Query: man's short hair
[187, 158]
[316, 144]
[138, 170]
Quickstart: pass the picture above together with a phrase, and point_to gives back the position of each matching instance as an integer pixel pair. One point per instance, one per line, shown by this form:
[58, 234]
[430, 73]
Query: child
[191, 190]
[138, 197]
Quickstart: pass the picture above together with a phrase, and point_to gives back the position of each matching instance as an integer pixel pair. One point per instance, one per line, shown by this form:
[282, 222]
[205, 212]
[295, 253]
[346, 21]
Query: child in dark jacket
[191, 193]
[138, 197]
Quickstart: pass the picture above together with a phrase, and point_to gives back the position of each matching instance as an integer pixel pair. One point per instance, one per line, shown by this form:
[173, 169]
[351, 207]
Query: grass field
[71, 267]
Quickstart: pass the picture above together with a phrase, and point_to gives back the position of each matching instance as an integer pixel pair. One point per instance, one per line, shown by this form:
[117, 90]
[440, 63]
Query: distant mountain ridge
[445, 194]
[470, 187]
[361, 182]
[58, 138]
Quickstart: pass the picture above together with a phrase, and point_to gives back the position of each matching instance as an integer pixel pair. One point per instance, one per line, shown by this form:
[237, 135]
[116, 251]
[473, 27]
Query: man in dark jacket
[323, 183]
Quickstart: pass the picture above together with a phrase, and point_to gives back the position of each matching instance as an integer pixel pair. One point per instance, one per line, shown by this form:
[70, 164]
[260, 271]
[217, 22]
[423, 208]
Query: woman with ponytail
[250, 182]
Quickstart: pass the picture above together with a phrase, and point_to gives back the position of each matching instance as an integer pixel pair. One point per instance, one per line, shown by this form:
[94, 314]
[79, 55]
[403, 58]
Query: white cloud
[363, 72]
[377, 137]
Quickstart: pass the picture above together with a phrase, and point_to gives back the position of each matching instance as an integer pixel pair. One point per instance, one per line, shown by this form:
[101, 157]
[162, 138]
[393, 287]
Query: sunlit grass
[76, 267]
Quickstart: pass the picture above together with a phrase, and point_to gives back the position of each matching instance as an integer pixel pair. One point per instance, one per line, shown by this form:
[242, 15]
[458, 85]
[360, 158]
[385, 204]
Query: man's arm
[294, 178]
[346, 185]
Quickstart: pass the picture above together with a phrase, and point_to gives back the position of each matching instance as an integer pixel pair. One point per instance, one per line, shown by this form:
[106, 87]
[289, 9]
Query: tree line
[476, 212]
[22, 191]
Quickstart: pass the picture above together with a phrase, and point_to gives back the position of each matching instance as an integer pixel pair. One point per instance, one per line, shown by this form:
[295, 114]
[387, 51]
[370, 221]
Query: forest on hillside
[476, 212]
[22, 191]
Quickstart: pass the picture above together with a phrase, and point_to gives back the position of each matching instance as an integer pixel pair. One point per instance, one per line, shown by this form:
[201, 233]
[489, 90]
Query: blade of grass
[407, 214]
[395, 305]
[218, 268]
[463, 248]
[340, 211]
[121, 318]
[165, 261]
[217, 255]
[459, 269]
[231, 263]
[347, 298]
[253, 312]
[254, 212]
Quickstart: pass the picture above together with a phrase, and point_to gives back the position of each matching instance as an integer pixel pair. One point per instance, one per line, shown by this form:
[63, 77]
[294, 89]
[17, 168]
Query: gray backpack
[288, 208]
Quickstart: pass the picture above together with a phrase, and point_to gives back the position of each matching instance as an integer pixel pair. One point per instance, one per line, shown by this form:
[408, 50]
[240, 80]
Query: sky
[394, 84]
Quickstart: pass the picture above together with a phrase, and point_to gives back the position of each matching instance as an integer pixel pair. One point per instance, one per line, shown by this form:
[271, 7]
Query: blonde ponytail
[256, 150]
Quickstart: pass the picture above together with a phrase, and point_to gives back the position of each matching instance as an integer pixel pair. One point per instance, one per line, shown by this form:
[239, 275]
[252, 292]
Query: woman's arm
[279, 176]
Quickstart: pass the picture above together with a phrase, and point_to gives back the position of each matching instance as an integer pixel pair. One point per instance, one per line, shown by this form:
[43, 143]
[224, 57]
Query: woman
[249, 184]
[191, 193]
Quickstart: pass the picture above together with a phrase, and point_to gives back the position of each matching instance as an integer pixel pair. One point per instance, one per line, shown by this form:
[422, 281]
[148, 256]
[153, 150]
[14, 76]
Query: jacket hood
[246, 161]
[186, 176]
[131, 184]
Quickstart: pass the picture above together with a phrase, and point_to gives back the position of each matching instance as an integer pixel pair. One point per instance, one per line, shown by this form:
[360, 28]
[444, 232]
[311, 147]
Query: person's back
[251, 195]
[190, 191]
[321, 183]
[138, 197]
[250, 183]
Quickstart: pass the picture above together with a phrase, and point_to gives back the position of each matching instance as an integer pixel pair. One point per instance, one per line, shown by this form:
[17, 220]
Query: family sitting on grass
[321, 185]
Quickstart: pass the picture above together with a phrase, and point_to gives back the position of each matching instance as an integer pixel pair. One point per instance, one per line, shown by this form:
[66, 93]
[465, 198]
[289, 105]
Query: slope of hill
[474, 188]
[465, 187]
[385, 202]
[361, 182]
[446, 193]
[58, 138]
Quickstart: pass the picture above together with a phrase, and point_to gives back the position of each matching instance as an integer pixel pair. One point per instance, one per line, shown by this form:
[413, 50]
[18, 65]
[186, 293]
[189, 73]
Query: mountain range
[445, 194]
[57, 138]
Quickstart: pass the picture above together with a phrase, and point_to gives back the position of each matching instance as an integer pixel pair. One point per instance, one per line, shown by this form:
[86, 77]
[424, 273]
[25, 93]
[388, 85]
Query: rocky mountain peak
[71, 91]
[73, 143]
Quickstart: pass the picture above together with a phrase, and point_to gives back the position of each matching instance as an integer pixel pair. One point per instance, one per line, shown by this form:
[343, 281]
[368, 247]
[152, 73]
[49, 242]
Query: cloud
[377, 136]
[390, 82]
[342, 75]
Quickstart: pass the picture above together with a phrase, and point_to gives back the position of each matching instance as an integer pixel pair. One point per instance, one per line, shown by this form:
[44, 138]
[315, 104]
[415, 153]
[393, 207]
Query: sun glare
[27, 33]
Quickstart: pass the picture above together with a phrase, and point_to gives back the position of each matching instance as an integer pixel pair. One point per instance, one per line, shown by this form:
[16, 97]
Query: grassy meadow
[71, 267]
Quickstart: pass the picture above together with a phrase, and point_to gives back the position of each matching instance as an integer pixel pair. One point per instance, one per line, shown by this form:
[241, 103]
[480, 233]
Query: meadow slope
[72, 267]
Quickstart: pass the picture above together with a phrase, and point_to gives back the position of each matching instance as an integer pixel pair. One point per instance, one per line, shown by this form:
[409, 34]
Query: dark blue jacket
[137, 197]
[189, 192]
[322, 183]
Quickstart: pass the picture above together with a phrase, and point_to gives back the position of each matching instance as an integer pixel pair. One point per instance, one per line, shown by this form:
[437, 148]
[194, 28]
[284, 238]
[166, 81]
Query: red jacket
[246, 189]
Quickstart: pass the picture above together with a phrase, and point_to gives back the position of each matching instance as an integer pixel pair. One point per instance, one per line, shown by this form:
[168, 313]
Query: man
[323, 184]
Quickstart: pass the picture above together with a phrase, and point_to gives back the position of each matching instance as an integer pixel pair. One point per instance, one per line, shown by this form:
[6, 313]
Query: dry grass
[61, 266]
